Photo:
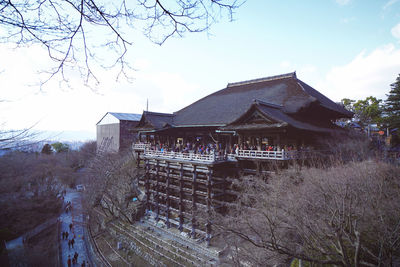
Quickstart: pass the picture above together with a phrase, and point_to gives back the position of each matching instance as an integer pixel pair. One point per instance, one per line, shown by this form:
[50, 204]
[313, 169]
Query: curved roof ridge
[158, 113]
[265, 79]
[324, 101]
[272, 105]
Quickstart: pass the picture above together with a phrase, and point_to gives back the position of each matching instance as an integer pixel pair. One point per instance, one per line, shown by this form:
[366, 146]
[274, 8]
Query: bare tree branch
[76, 32]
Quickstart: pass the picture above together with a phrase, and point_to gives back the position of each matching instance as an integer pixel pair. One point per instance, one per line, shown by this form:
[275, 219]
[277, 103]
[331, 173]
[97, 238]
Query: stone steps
[169, 248]
[200, 246]
[163, 256]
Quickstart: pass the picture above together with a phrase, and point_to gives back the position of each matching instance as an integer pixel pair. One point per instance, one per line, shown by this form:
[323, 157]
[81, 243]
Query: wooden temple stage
[180, 187]
[248, 125]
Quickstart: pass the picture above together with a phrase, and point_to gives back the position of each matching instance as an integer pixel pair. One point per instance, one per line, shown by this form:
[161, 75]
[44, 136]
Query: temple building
[279, 110]
[192, 155]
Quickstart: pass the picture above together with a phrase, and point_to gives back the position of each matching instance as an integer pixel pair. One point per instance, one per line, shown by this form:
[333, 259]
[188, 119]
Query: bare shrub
[111, 185]
[346, 215]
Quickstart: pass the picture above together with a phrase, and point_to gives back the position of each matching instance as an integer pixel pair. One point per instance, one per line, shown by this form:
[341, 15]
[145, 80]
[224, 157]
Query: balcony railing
[213, 157]
[141, 146]
[184, 156]
[277, 155]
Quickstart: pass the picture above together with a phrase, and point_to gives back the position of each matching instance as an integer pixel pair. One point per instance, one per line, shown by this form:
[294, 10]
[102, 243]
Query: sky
[342, 48]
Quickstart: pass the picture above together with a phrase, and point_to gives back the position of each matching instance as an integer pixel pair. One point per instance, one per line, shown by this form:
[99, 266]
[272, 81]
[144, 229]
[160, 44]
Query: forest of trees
[341, 214]
[30, 183]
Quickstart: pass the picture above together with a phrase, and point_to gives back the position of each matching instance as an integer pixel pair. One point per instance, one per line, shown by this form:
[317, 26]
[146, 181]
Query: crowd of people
[220, 149]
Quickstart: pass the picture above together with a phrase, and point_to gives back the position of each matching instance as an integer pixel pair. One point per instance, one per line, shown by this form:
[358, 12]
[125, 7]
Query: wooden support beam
[181, 198]
[167, 197]
[194, 200]
[157, 191]
[138, 159]
[147, 184]
[209, 201]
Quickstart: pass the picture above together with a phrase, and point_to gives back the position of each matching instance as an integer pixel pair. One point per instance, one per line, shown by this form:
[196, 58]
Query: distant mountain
[71, 136]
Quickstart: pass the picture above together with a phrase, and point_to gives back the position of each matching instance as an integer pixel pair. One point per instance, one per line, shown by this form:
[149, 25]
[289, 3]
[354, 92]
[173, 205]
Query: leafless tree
[112, 183]
[29, 187]
[17, 139]
[345, 215]
[77, 32]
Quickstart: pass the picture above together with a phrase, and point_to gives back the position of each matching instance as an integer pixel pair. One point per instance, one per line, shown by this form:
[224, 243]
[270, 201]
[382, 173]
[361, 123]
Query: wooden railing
[277, 155]
[141, 146]
[242, 154]
[183, 156]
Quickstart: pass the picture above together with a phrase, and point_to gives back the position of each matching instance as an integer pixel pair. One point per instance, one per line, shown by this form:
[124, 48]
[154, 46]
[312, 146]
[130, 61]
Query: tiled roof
[155, 120]
[278, 119]
[224, 106]
[221, 108]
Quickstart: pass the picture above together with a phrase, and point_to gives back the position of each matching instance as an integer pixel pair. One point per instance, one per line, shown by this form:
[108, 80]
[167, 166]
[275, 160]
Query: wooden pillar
[278, 139]
[181, 198]
[157, 197]
[209, 201]
[167, 193]
[138, 159]
[147, 184]
[194, 200]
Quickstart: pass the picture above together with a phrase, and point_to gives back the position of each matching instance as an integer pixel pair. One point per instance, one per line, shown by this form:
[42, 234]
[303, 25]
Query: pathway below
[73, 217]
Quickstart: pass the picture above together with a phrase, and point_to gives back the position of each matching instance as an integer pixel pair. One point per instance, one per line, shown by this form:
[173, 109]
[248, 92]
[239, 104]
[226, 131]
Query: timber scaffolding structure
[181, 190]
[192, 156]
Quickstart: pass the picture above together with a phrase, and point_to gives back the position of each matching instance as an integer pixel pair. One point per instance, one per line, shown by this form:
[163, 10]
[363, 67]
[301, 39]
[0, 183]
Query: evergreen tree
[60, 147]
[47, 149]
[392, 105]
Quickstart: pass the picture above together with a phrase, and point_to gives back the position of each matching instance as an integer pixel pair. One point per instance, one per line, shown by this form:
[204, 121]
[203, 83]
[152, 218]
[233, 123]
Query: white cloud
[389, 4]
[396, 31]
[367, 74]
[342, 2]
[285, 64]
[347, 20]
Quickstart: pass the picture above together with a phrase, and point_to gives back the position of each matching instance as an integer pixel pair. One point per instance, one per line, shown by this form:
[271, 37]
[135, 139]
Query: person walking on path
[70, 226]
[69, 261]
[66, 235]
[76, 257]
[72, 242]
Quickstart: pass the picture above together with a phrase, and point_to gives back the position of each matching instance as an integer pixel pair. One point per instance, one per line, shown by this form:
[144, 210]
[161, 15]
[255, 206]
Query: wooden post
[194, 188]
[181, 198]
[138, 159]
[147, 184]
[157, 197]
[209, 200]
[167, 200]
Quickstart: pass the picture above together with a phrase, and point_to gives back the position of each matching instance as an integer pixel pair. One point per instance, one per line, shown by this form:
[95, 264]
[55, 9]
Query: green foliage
[366, 111]
[47, 149]
[60, 147]
[392, 105]
[348, 103]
